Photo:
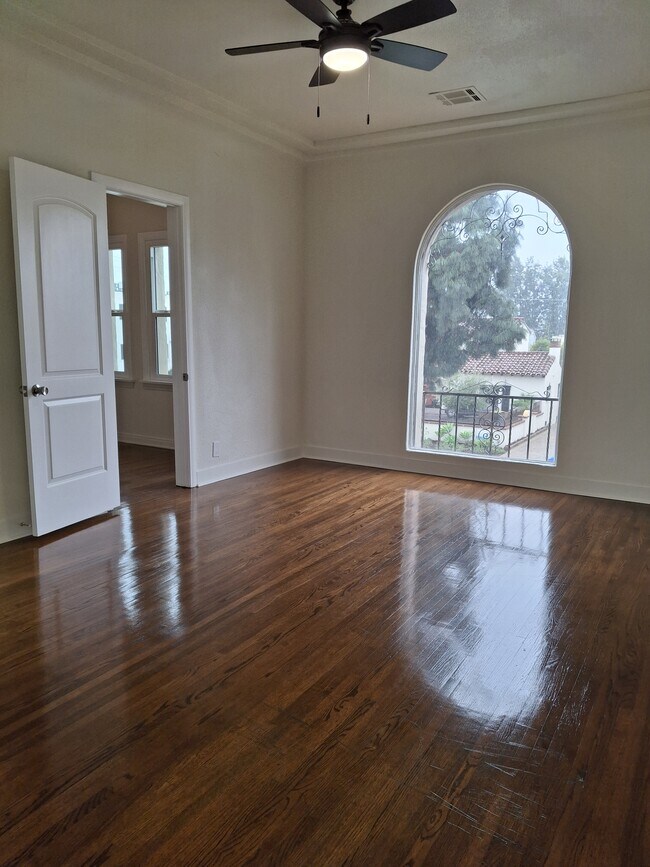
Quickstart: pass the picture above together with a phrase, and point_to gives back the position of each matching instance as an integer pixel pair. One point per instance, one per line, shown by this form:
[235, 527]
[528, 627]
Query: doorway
[149, 232]
[141, 290]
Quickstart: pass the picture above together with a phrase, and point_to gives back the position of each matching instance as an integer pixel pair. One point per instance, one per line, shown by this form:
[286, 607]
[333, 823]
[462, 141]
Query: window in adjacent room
[157, 316]
[117, 271]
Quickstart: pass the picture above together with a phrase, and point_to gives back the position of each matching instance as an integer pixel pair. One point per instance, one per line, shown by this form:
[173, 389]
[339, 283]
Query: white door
[61, 251]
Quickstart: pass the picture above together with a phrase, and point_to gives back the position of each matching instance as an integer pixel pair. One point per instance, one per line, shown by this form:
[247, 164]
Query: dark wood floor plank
[328, 665]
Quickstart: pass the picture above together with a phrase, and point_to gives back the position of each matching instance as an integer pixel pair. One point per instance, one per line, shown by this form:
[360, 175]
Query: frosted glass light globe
[345, 59]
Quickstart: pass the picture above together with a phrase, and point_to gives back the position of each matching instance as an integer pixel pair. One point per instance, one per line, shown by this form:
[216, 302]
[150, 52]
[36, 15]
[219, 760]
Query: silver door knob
[39, 389]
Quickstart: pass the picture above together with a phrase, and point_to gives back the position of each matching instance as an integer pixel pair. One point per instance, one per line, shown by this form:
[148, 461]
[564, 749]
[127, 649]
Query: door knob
[39, 389]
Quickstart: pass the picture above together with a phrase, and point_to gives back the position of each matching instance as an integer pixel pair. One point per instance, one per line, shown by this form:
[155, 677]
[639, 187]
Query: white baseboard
[143, 440]
[11, 528]
[547, 479]
[247, 465]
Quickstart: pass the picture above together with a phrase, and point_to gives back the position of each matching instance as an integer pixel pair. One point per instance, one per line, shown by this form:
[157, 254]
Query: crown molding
[44, 31]
[80, 48]
[625, 104]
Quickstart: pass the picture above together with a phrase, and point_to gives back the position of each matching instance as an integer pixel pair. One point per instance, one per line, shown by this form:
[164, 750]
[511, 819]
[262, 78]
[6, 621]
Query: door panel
[61, 245]
[75, 435]
[70, 289]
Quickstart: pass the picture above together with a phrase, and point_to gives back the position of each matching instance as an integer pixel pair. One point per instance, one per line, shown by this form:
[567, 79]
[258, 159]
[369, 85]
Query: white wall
[367, 212]
[145, 412]
[246, 203]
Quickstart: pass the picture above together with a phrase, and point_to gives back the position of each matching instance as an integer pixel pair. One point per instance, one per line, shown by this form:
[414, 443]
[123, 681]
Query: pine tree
[468, 313]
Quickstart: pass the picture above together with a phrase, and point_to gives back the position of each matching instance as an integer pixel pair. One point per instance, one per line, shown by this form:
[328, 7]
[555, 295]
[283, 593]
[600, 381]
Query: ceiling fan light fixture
[345, 44]
[346, 58]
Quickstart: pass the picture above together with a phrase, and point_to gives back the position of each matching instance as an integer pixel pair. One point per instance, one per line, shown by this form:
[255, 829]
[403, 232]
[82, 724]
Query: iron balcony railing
[490, 421]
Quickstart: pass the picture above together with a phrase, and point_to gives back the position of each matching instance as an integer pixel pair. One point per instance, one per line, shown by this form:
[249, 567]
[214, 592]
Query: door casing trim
[178, 233]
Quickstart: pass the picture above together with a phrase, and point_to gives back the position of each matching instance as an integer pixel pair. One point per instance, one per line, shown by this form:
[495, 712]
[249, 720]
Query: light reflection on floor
[71, 599]
[127, 572]
[470, 638]
[170, 575]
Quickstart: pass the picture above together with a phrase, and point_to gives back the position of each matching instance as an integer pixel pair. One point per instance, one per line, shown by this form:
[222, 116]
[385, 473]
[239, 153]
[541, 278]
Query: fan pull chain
[318, 98]
[368, 115]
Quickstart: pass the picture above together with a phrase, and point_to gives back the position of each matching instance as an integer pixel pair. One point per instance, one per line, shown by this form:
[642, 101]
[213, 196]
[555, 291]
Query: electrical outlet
[215, 449]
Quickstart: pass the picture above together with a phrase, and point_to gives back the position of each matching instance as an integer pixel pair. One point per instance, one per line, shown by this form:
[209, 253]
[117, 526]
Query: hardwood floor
[328, 665]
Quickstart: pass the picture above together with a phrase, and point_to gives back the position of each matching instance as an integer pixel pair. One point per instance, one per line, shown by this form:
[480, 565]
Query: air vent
[458, 97]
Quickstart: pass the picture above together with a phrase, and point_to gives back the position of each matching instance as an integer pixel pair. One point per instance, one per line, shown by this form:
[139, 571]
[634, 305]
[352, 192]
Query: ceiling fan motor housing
[347, 36]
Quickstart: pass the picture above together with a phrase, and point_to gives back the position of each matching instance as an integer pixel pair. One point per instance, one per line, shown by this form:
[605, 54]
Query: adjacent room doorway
[141, 296]
[159, 337]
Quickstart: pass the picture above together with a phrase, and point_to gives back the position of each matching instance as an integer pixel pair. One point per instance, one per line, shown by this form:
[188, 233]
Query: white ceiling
[519, 53]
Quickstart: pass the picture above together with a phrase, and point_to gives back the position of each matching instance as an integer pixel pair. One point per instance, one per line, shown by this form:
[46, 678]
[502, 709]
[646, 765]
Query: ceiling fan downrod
[344, 14]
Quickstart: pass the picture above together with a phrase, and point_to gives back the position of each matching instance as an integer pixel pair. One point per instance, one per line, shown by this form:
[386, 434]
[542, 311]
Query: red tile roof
[510, 364]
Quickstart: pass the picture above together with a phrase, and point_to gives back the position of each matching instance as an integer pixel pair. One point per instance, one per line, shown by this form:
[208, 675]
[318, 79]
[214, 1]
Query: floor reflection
[475, 602]
[170, 576]
[120, 589]
[154, 606]
[127, 572]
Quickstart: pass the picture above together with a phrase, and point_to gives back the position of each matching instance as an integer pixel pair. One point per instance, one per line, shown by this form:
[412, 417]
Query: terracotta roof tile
[510, 364]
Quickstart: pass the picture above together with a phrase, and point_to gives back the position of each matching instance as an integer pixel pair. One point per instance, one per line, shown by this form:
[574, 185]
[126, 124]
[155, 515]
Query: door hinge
[186, 377]
[23, 390]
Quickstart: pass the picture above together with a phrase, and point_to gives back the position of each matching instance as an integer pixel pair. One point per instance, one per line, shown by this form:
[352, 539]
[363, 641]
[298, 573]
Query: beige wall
[367, 213]
[145, 412]
[246, 205]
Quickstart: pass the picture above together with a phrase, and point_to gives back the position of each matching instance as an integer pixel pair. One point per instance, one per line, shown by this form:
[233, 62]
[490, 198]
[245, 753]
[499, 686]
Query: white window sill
[153, 384]
[158, 384]
[502, 459]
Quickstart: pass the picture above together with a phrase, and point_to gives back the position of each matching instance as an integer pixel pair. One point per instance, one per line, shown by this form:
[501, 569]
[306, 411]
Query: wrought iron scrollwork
[499, 213]
[493, 389]
[492, 426]
[485, 388]
[481, 421]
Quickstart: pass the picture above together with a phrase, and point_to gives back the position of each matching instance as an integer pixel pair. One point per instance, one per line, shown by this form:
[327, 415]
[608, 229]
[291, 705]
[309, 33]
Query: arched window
[489, 329]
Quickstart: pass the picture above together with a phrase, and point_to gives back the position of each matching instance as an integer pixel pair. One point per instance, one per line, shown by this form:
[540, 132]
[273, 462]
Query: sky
[543, 248]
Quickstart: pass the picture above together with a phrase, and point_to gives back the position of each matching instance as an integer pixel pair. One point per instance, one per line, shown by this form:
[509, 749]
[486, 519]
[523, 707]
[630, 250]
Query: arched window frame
[418, 323]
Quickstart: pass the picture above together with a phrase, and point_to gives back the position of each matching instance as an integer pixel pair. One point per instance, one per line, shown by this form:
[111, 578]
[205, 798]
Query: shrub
[464, 444]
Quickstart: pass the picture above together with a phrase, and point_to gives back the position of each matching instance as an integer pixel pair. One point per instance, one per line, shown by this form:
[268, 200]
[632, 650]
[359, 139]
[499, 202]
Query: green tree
[556, 279]
[468, 314]
[539, 294]
[525, 290]
[542, 344]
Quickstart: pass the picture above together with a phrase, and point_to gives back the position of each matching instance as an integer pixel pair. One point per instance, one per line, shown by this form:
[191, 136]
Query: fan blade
[272, 46]
[414, 56]
[410, 14]
[316, 12]
[327, 76]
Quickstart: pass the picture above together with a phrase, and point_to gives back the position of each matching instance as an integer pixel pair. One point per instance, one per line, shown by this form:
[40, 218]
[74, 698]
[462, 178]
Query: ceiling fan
[345, 45]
